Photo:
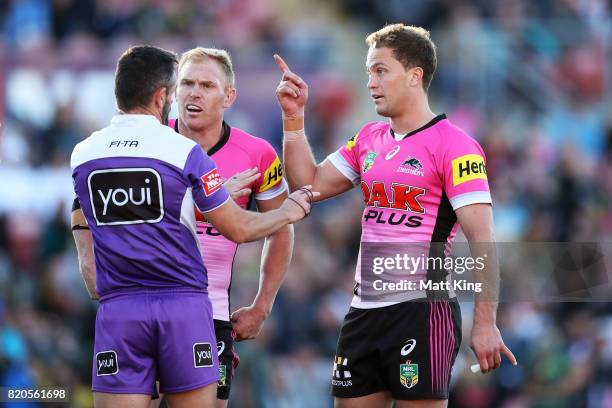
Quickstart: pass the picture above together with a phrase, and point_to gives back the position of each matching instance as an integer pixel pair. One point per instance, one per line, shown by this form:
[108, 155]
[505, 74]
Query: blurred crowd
[530, 80]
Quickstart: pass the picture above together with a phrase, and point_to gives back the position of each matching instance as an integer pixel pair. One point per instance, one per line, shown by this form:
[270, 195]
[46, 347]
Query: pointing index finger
[282, 65]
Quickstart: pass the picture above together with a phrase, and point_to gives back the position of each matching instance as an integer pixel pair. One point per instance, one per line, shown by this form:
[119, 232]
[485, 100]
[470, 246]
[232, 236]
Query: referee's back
[136, 181]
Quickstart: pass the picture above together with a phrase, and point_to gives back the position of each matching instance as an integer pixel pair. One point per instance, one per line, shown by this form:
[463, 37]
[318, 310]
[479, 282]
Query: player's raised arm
[300, 165]
[84, 245]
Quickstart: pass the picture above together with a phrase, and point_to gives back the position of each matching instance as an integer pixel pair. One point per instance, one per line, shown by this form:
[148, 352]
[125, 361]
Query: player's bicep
[330, 181]
[77, 220]
[476, 221]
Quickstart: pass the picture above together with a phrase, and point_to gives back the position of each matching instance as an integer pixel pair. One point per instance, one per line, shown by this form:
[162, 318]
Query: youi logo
[126, 196]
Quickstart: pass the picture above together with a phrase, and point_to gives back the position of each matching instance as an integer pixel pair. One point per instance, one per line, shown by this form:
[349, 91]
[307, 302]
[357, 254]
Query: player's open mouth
[377, 97]
[193, 108]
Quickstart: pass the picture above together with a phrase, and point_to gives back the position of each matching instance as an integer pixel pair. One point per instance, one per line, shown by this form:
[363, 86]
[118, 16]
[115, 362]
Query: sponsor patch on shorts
[202, 355]
[106, 363]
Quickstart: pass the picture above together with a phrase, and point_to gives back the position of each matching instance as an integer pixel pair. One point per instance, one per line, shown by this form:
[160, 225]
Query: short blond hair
[222, 57]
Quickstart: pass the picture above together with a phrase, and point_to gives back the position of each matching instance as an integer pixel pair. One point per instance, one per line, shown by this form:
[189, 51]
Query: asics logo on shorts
[408, 347]
[220, 347]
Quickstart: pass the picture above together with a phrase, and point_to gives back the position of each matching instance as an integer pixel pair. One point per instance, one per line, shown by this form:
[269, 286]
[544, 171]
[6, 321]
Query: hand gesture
[292, 91]
[487, 345]
[247, 322]
[236, 185]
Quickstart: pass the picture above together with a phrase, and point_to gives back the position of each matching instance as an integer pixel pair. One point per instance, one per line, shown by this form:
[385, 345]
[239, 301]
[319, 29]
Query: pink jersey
[235, 152]
[413, 186]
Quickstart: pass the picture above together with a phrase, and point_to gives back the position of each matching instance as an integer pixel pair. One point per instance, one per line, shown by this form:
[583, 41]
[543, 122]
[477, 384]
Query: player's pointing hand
[292, 91]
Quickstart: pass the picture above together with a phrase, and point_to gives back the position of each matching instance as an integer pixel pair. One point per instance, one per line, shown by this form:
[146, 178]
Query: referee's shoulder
[82, 147]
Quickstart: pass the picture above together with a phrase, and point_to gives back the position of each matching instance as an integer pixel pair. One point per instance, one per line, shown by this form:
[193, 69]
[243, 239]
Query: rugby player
[137, 183]
[206, 87]
[422, 177]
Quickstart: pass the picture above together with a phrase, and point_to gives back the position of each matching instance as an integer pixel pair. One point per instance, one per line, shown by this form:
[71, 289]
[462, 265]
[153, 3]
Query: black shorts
[228, 358]
[407, 349]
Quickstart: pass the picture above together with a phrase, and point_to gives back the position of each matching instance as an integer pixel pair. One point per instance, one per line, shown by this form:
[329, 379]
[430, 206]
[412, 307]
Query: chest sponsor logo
[403, 197]
[202, 355]
[369, 161]
[468, 167]
[126, 196]
[392, 153]
[212, 182]
[106, 363]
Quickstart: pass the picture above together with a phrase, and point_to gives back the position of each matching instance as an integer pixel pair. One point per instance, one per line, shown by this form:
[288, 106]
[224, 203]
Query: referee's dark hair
[141, 71]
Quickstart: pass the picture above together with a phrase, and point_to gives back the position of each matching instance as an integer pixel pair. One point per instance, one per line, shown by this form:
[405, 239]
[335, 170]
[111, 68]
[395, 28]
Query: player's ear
[159, 97]
[415, 76]
[230, 96]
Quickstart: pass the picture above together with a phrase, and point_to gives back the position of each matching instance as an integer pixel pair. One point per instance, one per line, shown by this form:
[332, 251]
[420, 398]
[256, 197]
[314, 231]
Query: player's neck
[145, 110]
[419, 115]
[206, 138]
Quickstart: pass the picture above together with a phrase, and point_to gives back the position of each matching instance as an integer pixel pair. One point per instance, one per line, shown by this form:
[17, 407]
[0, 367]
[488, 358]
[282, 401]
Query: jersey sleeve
[271, 182]
[346, 160]
[76, 204]
[203, 177]
[465, 173]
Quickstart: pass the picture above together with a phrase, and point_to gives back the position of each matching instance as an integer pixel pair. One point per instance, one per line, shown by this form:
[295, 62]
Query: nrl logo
[409, 374]
[369, 161]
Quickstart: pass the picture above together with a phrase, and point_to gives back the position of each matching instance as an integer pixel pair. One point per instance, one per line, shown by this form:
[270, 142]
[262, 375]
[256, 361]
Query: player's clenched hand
[292, 91]
[236, 185]
[247, 322]
[298, 204]
[488, 345]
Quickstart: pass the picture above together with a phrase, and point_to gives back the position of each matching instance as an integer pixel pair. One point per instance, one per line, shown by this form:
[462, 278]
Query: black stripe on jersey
[225, 134]
[229, 288]
[422, 128]
[445, 221]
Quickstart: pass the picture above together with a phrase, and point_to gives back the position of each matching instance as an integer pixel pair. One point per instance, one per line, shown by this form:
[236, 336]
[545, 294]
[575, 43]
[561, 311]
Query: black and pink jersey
[412, 186]
[236, 151]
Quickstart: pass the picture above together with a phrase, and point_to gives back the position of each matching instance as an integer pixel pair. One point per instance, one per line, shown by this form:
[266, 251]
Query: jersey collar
[130, 117]
[225, 134]
[422, 128]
